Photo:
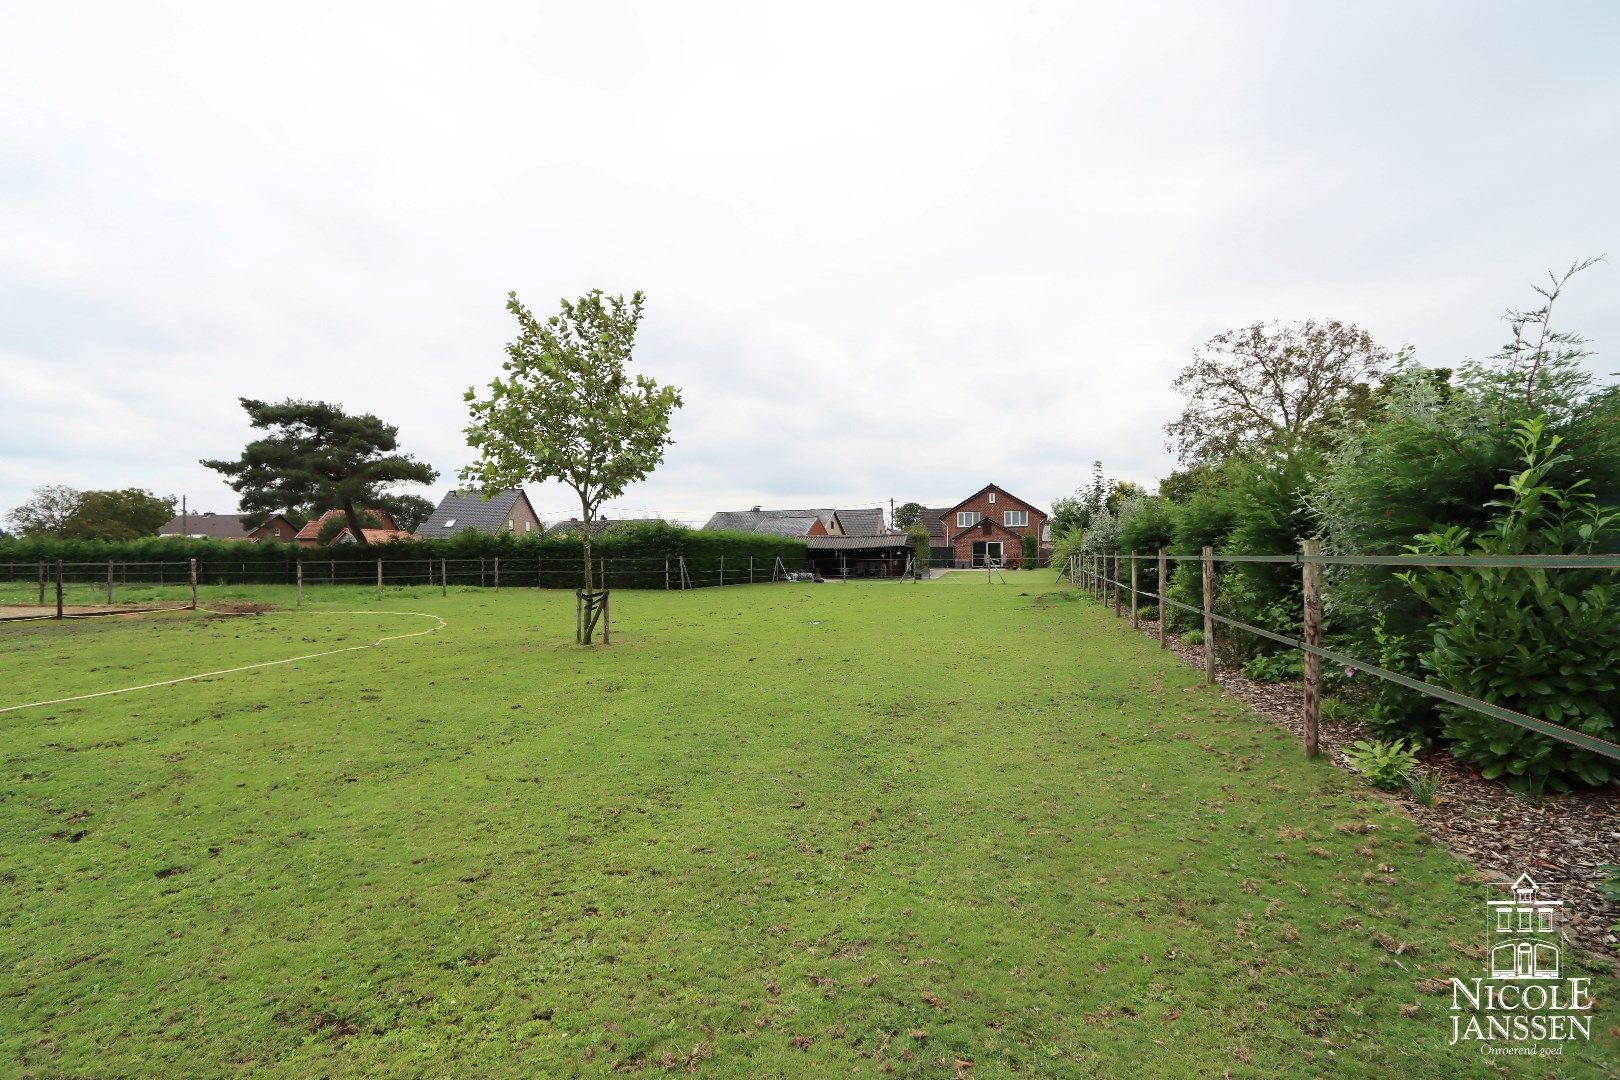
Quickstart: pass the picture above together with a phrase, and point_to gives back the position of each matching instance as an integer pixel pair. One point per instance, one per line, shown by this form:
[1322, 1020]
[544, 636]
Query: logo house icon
[1522, 933]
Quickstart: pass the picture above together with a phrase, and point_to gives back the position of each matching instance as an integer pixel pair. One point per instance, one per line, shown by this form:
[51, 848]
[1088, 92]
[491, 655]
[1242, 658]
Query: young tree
[318, 455]
[47, 512]
[1272, 387]
[922, 551]
[568, 410]
[908, 515]
[408, 511]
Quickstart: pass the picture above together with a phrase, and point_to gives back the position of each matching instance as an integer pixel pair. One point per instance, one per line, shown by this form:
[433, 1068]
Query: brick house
[987, 527]
[228, 527]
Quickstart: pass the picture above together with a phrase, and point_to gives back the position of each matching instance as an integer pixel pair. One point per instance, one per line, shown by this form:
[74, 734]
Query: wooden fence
[1109, 576]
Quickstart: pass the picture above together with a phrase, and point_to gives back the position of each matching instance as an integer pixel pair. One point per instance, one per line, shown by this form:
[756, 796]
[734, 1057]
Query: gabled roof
[997, 487]
[860, 522]
[312, 530]
[598, 527]
[373, 536]
[217, 526]
[461, 510]
[934, 519]
[755, 520]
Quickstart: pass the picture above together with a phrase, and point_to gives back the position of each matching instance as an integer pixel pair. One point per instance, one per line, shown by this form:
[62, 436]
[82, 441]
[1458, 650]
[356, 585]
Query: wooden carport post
[1311, 572]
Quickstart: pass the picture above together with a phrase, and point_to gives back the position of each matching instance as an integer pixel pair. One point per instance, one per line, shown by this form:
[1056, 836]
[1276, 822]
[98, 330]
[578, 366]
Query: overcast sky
[890, 251]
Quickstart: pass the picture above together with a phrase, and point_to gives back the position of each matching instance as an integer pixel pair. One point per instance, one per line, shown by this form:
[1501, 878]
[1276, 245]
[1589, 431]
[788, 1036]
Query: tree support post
[379, 579]
[1311, 572]
[1209, 614]
[193, 586]
[300, 567]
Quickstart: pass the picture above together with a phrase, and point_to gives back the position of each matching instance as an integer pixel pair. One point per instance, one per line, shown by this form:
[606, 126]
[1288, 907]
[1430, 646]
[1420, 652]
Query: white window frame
[1022, 516]
[992, 498]
[966, 519]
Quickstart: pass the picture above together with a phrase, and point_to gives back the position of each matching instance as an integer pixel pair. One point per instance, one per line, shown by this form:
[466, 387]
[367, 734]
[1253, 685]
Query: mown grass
[772, 831]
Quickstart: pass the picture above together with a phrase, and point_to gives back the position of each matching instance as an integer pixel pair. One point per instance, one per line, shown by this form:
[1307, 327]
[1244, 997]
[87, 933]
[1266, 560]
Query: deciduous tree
[568, 409]
[908, 515]
[1271, 387]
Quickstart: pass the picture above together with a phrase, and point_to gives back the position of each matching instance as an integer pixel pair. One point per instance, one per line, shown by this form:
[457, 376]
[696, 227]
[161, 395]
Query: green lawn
[772, 831]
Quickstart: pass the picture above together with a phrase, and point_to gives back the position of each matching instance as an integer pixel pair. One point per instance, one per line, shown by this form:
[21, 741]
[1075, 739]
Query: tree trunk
[353, 518]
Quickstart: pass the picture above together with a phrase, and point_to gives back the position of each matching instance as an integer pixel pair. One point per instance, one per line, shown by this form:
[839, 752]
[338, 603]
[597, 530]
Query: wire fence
[56, 588]
[1105, 577]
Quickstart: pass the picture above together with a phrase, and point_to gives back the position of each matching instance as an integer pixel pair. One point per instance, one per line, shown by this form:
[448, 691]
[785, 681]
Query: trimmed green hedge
[634, 557]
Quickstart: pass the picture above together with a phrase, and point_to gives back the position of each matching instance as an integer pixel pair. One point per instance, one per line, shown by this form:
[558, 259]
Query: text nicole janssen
[1520, 1012]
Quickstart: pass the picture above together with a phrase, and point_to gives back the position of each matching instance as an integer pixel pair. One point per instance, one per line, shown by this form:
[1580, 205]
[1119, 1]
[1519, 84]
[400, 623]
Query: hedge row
[634, 556]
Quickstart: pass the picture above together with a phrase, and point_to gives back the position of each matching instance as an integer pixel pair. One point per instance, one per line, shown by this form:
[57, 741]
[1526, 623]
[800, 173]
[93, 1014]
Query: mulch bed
[240, 607]
[1563, 840]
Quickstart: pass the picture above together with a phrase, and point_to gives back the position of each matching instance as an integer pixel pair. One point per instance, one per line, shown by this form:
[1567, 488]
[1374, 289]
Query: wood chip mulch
[1564, 839]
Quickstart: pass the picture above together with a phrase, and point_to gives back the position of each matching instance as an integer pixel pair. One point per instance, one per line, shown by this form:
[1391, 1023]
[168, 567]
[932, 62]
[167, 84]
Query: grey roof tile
[461, 510]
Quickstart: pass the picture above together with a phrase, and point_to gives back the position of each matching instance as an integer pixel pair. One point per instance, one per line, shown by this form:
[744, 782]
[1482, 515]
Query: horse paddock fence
[1110, 577]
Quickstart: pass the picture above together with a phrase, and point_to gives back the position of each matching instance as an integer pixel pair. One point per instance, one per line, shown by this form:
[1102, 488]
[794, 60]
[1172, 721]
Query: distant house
[774, 522]
[504, 511]
[227, 527]
[801, 522]
[310, 534]
[598, 527]
[986, 528]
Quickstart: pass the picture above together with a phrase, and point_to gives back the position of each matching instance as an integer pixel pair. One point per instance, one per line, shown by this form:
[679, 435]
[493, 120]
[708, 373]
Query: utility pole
[891, 512]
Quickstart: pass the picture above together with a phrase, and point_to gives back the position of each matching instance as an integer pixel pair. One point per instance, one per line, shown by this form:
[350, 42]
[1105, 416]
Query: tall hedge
[634, 553]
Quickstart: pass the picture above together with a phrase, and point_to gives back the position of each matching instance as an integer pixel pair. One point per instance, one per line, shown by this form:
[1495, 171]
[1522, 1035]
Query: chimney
[756, 510]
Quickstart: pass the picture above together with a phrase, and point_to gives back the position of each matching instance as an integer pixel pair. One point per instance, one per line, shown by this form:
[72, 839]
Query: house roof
[598, 527]
[754, 520]
[997, 487]
[218, 526]
[373, 536]
[470, 510]
[312, 530]
[886, 542]
[934, 519]
[861, 522]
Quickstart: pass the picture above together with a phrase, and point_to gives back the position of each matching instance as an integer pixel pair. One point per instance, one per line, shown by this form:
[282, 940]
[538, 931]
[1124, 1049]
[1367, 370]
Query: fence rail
[1093, 573]
[58, 584]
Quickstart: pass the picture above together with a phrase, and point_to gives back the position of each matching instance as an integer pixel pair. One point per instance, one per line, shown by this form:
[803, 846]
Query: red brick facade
[973, 545]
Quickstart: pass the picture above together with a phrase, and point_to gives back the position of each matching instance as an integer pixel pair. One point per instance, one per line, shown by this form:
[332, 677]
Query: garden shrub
[1382, 764]
[1541, 642]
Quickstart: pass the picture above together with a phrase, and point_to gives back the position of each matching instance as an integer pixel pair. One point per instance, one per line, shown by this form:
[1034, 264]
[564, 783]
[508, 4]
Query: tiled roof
[888, 541]
[861, 522]
[218, 526]
[598, 527]
[754, 520]
[786, 526]
[373, 536]
[934, 518]
[312, 530]
[461, 510]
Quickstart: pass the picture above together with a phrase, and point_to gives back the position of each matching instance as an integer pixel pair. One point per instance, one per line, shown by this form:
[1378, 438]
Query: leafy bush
[1394, 710]
[1192, 637]
[1541, 642]
[1276, 667]
[1383, 764]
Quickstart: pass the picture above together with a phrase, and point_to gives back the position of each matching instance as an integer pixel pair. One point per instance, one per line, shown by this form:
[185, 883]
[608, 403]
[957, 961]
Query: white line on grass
[250, 667]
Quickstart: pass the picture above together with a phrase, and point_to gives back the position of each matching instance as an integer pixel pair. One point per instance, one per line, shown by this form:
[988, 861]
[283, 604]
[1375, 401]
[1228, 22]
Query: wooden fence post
[497, 573]
[42, 583]
[59, 589]
[666, 573]
[109, 582]
[607, 619]
[1136, 622]
[379, 579]
[482, 581]
[1119, 584]
[1163, 591]
[1312, 575]
[193, 585]
[1209, 613]
[300, 584]
[750, 569]
[722, 570]
[444, 577]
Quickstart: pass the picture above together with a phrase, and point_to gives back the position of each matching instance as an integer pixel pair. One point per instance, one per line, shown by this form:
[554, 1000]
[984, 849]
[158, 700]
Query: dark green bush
[1541, 642]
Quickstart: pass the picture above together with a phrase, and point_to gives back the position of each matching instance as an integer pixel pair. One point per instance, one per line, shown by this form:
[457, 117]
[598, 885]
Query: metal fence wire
[1109, 577]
